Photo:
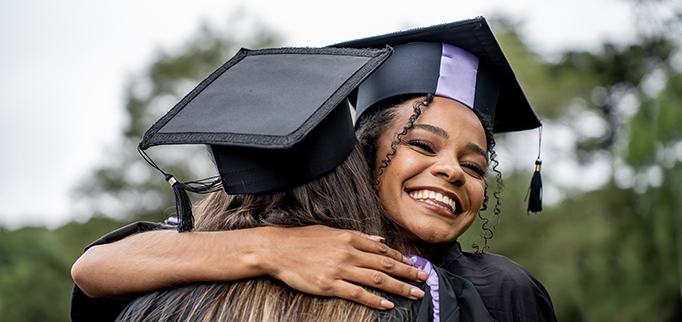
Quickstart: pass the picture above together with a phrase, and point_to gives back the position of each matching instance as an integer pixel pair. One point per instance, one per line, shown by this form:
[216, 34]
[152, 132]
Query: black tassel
[183, 205]
[534, 196]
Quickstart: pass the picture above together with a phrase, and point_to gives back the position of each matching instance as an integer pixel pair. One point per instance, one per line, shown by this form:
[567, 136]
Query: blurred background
[81, 81]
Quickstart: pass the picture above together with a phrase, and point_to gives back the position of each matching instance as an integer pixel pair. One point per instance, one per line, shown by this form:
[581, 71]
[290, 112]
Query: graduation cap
[460, 60]
[271, 119]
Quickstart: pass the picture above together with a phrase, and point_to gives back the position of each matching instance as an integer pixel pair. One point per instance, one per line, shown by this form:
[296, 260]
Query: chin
[437, 236]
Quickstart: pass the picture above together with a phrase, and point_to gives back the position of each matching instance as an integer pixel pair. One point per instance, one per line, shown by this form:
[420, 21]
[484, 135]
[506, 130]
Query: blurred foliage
[610, 254]
[35, 265]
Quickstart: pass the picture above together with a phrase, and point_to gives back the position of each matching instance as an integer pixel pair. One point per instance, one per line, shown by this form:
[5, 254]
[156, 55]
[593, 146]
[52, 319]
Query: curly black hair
[378, 117]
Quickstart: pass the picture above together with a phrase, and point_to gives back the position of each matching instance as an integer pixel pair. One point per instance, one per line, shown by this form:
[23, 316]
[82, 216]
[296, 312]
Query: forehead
[456, 119]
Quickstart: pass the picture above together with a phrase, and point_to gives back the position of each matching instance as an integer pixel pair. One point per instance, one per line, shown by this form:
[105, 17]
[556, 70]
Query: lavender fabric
[172, 221]
[431, 281]
[458, 70]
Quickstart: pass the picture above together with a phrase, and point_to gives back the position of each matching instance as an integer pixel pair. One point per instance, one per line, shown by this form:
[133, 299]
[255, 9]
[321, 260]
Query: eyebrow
[442, 133]
[477, 149]
[433, 129]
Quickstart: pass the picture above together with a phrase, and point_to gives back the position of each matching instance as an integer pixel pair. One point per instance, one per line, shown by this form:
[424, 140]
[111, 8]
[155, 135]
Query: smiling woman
[434, 184]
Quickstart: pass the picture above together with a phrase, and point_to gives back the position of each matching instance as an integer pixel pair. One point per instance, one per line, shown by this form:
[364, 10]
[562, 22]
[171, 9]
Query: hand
[327, 262]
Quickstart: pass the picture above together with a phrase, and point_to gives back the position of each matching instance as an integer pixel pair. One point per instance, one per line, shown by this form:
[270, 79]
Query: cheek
[477, 194]
[402, 165]
[392, 182]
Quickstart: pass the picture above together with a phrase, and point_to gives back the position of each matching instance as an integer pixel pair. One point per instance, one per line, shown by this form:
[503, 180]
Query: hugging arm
[315, 259]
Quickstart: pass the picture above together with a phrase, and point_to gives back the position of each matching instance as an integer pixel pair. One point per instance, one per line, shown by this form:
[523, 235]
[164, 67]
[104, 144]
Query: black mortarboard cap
[460, 60]
[271, 118]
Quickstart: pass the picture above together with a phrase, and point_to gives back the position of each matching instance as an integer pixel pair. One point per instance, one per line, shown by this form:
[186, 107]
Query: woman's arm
[316, 259]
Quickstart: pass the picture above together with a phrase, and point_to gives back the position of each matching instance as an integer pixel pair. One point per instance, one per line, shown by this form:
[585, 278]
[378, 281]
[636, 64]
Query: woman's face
[434, 185]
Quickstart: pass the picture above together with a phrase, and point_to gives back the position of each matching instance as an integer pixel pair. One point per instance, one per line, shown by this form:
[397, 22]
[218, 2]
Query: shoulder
[509, 291]
[504, 269]
[84, 308]
[130, 229]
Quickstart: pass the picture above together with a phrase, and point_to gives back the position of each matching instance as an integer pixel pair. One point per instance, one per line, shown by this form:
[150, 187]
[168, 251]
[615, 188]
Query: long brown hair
[342, 198]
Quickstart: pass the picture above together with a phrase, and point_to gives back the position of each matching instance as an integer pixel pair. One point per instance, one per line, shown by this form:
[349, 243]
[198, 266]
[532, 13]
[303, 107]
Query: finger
[377, 238]
[379, 263]
[384, 282]
[361, 295]
[388, 260]
[370, 246]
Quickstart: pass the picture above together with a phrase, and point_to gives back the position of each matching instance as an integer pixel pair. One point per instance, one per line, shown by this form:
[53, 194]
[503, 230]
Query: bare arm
[318, 260]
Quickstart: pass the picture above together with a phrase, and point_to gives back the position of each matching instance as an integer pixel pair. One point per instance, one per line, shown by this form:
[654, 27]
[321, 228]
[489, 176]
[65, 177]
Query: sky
[64, 64]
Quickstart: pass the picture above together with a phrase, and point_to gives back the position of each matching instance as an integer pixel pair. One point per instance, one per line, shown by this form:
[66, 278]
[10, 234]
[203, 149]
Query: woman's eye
[475, 168]
[421, 145]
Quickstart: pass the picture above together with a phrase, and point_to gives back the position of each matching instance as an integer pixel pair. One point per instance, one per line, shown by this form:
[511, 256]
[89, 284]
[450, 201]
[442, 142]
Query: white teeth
[429, 201]
[430, 196]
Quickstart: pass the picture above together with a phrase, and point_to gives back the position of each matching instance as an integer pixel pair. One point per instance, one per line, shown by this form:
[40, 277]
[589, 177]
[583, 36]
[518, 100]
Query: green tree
[35, 283]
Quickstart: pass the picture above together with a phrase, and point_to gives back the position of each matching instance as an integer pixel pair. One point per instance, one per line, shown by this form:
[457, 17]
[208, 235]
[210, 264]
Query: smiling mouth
[435, 198]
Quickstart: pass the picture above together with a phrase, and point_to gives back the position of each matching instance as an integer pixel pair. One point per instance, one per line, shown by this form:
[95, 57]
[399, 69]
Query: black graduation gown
[459, 302]
[508, 290]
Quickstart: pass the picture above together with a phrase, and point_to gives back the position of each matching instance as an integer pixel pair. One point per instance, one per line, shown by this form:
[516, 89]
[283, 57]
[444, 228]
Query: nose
[449, 169]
